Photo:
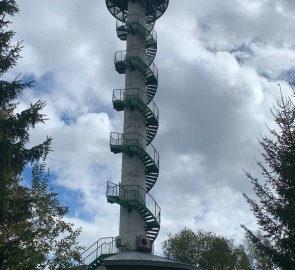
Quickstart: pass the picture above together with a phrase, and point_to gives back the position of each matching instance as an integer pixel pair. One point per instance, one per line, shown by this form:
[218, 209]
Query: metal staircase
[134, 59]
[101, 249]
[132, 196]
[137, 24]
[138, 31]
[141, 99]
[133, 98]
[134, 143]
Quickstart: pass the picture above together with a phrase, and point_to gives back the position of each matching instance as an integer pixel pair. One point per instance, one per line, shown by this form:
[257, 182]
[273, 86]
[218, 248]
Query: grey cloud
[213, 100]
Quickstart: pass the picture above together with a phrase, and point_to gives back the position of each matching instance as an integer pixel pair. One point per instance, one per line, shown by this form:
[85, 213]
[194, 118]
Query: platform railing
[138, 55]
[103, 246]
[138, 19]
[135, 193]
[135, 93]
[137, 140]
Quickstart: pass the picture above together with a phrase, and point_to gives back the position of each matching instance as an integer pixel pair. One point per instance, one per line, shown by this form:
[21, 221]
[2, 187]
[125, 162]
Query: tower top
[154, 9]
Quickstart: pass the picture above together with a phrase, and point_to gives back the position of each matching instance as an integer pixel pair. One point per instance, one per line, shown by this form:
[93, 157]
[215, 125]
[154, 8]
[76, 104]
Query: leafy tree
[275, 208]
[206, 250]
[32, 230]
[55, 240]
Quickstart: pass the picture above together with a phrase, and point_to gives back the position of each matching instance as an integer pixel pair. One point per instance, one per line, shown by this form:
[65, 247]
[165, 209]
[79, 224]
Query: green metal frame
[101, 249]
[135, 143]
[132, 98]
[136, 23]
[154, 9]
[133, 196]
[127, 58]
[150, 72]
[133, 60]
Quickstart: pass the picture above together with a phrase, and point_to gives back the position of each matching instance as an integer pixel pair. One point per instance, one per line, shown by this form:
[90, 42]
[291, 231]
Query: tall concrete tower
[139, 212]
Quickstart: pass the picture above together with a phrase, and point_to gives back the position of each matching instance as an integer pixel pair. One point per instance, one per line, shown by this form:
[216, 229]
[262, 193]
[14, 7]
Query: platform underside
[154, 8]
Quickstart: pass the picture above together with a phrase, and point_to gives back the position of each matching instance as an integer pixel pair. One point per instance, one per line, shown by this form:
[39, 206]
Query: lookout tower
[139, 212]
[140, 215]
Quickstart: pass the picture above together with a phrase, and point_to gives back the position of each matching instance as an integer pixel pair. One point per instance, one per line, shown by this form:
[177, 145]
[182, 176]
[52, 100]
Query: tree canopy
[205, 250]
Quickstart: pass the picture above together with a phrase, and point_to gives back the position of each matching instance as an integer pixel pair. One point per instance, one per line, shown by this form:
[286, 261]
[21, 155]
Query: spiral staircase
[134, 99]
[141, 99]
[135, 197]
[131, 196]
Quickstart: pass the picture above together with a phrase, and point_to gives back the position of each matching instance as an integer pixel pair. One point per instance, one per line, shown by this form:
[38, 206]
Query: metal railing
[135, 139]
[138, 23]
[152, 35]
[148, 67]
[135, 93]
[106, 245]
[119, 13]
[135, 193]
[136, 19]
[153, 11]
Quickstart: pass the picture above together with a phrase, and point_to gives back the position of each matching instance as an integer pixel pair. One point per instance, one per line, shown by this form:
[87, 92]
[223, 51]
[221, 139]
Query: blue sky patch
[71, 199]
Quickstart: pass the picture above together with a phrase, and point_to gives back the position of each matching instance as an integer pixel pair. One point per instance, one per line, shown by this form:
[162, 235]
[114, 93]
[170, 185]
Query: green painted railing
[135, 193]
[106, 245]
[145, 63]
[135, 93]
[135, 20]
[135, 140]
[136, 23]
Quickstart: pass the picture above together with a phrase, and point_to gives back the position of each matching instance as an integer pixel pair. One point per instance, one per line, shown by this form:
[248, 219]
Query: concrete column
[133, 171]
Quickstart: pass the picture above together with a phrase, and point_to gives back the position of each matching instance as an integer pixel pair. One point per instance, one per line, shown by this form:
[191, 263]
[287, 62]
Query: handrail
[135, 192]
[152, 34]
[122, 56]
[156, 11]
[122, 30]
[135, 139]
[104, 245]
[137, 19]
[121, 95]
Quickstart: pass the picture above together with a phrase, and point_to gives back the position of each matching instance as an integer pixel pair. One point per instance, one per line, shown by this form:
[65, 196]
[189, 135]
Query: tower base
[133, 260]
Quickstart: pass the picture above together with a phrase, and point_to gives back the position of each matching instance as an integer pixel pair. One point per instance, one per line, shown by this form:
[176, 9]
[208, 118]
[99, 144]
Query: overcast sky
[220, 63]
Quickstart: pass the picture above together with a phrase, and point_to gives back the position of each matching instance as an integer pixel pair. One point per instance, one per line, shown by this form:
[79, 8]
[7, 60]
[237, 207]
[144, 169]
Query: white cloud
[219, 67]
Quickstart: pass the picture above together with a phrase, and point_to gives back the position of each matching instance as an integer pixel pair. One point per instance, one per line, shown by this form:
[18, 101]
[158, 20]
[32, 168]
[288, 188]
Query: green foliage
[37, 235]
[206, 250]
[33, 232]
[14, 127]
[257, 259]
[275, 207]
[52, 235]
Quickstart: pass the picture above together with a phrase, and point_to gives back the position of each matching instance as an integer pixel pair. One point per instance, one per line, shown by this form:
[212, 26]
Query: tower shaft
[139, 212]
[133, 170]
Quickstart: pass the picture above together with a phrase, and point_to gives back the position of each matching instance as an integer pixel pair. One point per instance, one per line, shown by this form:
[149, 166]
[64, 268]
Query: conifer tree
[257, 260]
[275, 208]
[31, 218]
